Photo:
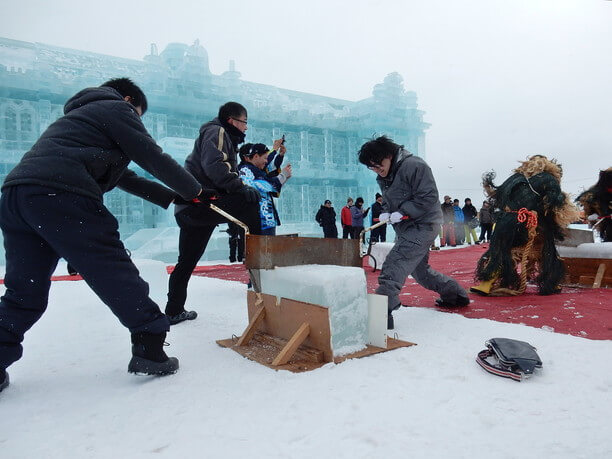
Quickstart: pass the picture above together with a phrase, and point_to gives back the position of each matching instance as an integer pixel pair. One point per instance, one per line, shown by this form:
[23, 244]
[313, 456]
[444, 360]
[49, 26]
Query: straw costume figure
[533, 214]
[597, 204]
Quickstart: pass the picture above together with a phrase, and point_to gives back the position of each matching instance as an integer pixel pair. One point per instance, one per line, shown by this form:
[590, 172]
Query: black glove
[205, 195]
[251, 194]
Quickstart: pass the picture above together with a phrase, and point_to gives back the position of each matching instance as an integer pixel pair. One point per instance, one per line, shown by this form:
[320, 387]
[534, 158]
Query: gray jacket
[410, 188]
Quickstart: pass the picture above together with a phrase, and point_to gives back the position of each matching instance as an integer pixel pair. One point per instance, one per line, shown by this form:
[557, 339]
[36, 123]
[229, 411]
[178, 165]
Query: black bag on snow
[513, 359]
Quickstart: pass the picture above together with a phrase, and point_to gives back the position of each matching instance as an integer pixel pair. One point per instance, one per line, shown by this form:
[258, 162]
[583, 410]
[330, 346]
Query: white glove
[384, 217]
[396, 217]
[593, 217]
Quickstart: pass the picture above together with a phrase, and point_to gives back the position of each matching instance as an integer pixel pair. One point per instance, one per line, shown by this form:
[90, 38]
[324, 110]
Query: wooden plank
[577, 267]
[599, 276]
[252, 327]
[286, 316]
[287, 352]
[267, 252]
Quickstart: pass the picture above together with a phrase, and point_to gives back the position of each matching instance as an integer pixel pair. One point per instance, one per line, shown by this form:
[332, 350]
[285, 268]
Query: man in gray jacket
[410, 204]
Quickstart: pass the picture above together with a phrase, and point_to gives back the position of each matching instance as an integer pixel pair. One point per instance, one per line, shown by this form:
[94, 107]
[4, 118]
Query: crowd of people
[458, 225]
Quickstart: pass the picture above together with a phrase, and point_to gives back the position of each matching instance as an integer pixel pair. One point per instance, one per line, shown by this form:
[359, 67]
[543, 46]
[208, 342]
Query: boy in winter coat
[252, 172]
[357, 216]
[410, 203]
[459, 232]
[326, 218]
[448, 223]
[378, 234]
[52, 207]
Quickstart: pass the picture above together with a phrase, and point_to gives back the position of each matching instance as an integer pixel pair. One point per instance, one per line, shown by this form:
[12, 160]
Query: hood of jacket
[89, 95]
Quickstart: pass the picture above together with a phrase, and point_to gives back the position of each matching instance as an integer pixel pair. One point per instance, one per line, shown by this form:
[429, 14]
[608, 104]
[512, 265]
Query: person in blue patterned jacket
[252, 170]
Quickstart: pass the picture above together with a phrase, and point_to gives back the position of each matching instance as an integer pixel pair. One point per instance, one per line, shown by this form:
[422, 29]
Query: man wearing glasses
[410, 204]
[213, 163]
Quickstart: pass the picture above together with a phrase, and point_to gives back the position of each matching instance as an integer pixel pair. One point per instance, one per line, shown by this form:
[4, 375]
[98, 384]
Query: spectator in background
[252, 172]
[236, 242]
[378, 234]
[357, 216]
[347, 220]
[448, 223]
[470, 221]
[486, 222]
[459, 232]
[326, 218]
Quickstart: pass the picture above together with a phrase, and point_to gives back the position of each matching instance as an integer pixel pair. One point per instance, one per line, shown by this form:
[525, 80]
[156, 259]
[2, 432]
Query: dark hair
[378, 195]
[248, 150]
[467, 199]
[359, 200]
[455, 200]
[375, 150]
[327, 201]
[127, 88]
[230, 110]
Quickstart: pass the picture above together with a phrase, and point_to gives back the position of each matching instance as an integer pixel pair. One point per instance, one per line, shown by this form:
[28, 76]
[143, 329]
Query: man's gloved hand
[205, 195]
[396, 217]
[250, 194]
[384, 217]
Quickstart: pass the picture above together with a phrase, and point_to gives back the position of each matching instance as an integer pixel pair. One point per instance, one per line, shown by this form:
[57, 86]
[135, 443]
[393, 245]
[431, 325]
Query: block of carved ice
[341, 289]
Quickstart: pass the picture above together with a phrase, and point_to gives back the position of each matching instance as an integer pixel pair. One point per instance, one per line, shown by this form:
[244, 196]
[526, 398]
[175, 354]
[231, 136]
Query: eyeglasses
[374, 167]
[241, 121]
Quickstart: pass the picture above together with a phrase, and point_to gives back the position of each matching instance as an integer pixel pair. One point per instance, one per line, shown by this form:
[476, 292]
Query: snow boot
[4, 380]
[182, 316]
[148, 356]
[459, 301]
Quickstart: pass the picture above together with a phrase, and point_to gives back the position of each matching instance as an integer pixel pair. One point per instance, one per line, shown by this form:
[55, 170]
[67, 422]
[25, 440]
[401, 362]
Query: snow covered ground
[71, 396]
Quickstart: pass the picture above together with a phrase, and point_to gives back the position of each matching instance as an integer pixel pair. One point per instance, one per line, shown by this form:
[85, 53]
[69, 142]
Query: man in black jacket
[52, 206]
[326, 218]
[378, 234]
[213, 163]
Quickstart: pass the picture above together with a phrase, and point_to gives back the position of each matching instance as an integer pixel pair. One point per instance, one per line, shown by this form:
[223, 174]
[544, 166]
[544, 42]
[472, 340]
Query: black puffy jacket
[87, 152]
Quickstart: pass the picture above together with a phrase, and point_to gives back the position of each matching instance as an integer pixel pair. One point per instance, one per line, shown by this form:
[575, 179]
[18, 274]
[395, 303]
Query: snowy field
[71, 396]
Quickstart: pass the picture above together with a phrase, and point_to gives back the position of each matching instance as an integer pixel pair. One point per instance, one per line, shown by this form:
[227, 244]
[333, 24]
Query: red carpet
[575, 311]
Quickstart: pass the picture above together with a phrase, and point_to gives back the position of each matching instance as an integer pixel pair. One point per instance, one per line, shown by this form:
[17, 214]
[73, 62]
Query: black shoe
[390, 323]
[232, 260]
[4, 380]
[148, 356]
[185, 315]
[459, 302]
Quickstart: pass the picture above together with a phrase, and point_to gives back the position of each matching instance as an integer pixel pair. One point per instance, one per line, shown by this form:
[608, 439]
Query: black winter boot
[4, 380]
[148, 356]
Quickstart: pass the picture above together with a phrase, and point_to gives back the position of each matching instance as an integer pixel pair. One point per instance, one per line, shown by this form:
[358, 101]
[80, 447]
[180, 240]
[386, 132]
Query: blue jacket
[458, 214]
[267, 187]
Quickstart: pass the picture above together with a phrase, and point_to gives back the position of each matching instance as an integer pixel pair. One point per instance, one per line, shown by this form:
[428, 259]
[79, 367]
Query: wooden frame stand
[292, 335]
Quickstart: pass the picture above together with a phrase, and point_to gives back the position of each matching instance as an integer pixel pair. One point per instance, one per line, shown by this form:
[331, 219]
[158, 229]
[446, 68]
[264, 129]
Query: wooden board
[284, 318]
[264, 348]
[587, 269]
[267, 252]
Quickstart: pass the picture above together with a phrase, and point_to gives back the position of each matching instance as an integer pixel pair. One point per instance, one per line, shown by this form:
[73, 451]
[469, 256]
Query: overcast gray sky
[498, 79]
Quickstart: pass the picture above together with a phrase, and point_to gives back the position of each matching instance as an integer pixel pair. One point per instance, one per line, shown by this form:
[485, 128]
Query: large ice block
[341, 289]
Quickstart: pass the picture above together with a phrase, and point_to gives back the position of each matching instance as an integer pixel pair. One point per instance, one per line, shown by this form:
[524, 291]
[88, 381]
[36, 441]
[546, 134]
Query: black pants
[197, 224]
[236, 242]
[40, 225]
[330, 231]
[485, 231]
[347, 231]
[379, 234]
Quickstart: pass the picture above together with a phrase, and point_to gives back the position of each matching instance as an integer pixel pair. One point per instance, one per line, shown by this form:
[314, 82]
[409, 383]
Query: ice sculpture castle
[323, 134]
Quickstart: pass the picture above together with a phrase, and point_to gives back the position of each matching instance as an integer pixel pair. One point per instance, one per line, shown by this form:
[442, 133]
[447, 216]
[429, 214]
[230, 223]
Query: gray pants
[410, 256]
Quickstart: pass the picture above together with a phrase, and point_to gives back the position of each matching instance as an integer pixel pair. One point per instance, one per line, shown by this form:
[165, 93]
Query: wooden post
[251, 328]
[599, 276]
[287, 352]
